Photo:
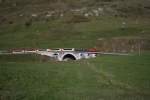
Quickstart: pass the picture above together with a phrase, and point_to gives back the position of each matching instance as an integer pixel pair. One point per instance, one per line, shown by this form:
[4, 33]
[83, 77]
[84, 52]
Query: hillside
[119, 7]
[68, 23]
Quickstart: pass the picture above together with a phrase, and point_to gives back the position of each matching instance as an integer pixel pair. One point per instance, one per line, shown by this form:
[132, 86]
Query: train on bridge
[60, 54]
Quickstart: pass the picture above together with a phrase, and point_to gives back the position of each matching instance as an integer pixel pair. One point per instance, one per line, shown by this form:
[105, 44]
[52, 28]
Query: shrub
[28, 23]
[76, 19]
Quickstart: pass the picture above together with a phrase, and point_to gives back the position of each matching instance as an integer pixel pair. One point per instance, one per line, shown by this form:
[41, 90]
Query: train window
[68, 49]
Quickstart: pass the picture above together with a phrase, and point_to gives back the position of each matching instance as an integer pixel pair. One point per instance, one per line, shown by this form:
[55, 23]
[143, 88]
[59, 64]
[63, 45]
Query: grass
[104, 78]
[43, 34]
[32, 77]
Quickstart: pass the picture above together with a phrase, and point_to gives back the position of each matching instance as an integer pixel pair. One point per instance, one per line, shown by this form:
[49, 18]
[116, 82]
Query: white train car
[65, 54]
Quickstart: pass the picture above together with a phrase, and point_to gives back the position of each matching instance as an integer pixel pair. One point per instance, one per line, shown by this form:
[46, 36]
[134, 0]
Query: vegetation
[25, 23]
[41, 34]
[106, 77]
[29, 24]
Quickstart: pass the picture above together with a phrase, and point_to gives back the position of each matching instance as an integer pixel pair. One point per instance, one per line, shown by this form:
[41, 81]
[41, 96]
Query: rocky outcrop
[123, 44]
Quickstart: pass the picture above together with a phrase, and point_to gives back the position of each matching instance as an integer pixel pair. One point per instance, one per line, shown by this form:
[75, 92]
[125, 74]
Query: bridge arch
[69, 57]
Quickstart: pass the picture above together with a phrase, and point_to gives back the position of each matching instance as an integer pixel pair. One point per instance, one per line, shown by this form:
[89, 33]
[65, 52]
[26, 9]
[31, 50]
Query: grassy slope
[58, 33]
[106, 77]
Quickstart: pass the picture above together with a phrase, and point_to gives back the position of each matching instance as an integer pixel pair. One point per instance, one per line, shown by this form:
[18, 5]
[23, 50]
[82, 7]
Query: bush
[76, 19]
[28, 23]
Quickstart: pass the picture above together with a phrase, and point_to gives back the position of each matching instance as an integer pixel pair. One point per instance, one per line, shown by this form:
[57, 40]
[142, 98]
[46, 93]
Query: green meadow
[107, 77]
